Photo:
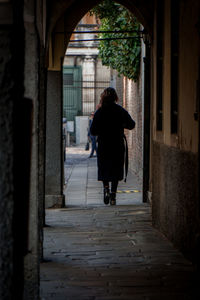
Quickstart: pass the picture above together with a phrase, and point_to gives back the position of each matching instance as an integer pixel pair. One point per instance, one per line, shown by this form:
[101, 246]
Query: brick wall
[132, 101]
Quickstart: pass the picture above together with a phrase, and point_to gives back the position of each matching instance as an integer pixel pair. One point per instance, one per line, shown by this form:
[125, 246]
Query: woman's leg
[95, 145]
[92, 146]
[114, 185]
[106, 192]
[105, 184]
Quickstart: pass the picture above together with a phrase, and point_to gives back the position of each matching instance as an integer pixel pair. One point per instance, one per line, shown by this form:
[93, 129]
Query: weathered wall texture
[174, 159]
[189, 74]
[174, 175]
[15, 127]
[175, 196]
[31, 91]
[14, 171]
[54, 149]
[133, 103]
[6, 165]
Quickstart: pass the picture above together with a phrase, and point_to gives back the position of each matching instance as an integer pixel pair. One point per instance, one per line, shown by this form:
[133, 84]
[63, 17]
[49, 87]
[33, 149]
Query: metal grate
[90, 93]
[68, 79]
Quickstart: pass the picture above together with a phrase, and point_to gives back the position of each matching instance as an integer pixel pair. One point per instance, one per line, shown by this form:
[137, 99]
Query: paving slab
[81, 179]
[90, 258]
[98, 252]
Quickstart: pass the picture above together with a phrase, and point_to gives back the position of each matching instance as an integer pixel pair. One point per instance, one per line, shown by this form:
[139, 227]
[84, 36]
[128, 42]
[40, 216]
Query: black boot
[112, 198]
[106, 197]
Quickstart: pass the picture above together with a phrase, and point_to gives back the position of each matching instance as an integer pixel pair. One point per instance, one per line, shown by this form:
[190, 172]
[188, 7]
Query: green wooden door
[72, 92]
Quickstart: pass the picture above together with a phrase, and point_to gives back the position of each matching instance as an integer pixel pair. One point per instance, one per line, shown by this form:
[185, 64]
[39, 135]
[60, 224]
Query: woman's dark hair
[108, 96]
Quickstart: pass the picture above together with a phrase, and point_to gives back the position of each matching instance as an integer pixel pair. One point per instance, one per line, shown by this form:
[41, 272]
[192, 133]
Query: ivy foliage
[122, 55]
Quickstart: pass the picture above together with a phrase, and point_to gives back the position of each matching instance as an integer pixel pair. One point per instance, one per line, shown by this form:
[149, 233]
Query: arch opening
[86, 97]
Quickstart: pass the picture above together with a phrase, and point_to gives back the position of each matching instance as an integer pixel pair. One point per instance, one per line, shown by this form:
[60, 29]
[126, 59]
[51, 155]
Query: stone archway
[181, 145]
[59, 35]
[65, 15]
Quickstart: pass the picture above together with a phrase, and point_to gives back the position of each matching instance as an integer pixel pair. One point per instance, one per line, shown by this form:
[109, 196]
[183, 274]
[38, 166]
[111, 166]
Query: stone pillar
[31, 87]
[54, 148]
[89, 79]
[42, 145]
[15, 142]
[6, 165]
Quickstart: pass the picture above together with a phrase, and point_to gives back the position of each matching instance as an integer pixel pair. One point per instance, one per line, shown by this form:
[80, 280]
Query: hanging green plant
[122, 55]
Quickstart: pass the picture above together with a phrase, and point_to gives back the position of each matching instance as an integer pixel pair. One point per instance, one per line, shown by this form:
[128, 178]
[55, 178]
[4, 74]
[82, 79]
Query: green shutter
[72, 92]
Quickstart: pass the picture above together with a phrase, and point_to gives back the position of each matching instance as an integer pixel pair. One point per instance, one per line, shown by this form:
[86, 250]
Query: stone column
[31, 86]
[54, 148]
[6, 160]
[42, 145]
[89, 79]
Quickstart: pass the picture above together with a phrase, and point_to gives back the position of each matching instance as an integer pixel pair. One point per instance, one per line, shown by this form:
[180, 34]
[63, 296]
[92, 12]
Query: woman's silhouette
[108, 125]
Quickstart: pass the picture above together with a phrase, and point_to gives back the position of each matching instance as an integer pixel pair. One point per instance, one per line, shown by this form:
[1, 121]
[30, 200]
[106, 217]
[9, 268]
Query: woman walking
[108, 125]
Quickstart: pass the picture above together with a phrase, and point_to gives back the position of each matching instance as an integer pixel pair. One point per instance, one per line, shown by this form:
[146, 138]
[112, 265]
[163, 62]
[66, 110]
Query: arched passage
[174, 123]
[58, 40]
[165, 142]
[64, 17]
[174, 148]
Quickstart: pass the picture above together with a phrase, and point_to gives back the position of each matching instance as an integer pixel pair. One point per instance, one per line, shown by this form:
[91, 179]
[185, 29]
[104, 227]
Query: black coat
[108, 124]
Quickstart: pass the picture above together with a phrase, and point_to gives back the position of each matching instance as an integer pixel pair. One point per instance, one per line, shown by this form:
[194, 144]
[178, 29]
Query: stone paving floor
[97, 252]
[82, 187]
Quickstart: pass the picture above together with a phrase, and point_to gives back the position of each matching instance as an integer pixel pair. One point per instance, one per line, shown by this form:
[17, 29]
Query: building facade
[81, 95]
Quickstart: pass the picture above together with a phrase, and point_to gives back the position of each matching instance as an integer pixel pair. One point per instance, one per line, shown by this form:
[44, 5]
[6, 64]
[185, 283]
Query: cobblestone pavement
[97, 252]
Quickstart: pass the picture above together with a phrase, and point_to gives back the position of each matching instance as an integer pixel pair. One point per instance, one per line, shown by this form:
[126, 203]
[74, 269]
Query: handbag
[87, 146]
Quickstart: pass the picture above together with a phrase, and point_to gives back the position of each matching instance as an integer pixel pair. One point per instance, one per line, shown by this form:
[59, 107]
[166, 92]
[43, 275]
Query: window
[68, 79]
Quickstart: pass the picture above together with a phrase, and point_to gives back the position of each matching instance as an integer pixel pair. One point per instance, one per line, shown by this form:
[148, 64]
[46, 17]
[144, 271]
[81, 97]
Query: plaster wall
[82, 124]
[174, 158]
[188, 69]
[189, 45]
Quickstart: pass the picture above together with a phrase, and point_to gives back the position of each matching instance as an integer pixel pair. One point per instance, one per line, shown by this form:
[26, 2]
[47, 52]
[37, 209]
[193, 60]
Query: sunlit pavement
[82, 187]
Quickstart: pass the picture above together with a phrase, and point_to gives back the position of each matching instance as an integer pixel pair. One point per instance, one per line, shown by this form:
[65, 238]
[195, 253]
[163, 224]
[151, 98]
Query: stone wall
[175, 205]
[6, 165]
[133, 102]
[31, 92]
[175, 157]
[15, 150]
[54, 150]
